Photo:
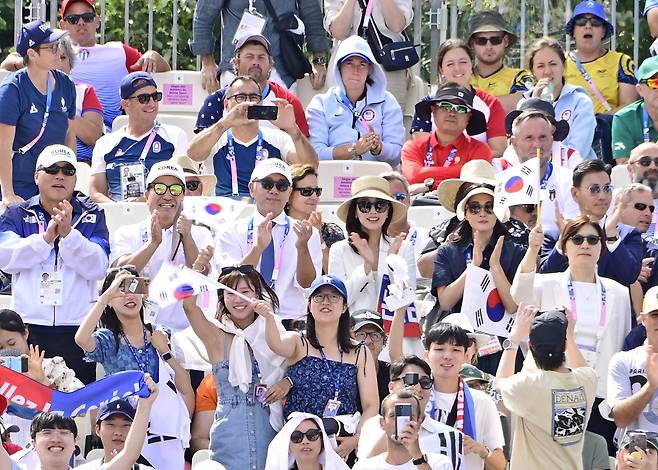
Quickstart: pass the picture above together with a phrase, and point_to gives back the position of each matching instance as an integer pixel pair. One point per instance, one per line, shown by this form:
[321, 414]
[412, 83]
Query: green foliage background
[162, 40]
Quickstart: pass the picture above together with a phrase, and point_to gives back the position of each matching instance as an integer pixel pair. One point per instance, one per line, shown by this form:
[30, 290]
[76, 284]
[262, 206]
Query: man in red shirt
[441, 154]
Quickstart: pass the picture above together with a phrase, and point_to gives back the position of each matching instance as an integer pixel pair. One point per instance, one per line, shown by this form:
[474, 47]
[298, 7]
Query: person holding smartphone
[238, 142]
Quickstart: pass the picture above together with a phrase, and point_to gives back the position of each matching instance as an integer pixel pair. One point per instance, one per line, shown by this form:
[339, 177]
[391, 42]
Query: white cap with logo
[270, 166]
[166, 168]
[55, 153]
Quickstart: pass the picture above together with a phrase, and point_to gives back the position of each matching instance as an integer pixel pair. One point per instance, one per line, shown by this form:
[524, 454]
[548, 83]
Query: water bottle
[547, 94]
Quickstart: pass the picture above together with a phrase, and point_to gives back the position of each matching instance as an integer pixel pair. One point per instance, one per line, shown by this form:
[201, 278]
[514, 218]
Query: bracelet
[289, 380]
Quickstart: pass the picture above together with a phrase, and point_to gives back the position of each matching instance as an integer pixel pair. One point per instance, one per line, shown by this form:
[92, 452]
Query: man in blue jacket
[56, 246]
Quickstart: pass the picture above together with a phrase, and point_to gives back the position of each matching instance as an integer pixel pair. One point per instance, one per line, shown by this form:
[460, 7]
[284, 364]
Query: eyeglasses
[597, 188]
[374, 335]
[146, 97]
[244, 269]
[333, 298]
[646, 161]
[400, 197]
[448, 107]
[483, 40]
[425, 382]
[52, 47]
[642, 207]
[281, 185]
[311, 435]
[55, 432]
[594, 21]
[242, 97]
[591, 239]
[380, 205]
[308, 191]
[175, 189]
[651, 83]
[68, 169]
[476, 207]
[75, 19]
[192, 185]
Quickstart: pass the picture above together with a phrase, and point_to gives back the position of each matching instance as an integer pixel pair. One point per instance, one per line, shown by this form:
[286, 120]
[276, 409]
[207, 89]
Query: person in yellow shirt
[489, 37]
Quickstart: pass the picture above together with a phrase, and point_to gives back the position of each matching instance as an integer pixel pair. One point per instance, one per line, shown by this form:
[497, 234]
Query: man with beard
[253, 57]
[643, 166]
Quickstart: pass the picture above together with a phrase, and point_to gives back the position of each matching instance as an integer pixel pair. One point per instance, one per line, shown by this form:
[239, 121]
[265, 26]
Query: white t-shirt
[97, 464]
[436, 462]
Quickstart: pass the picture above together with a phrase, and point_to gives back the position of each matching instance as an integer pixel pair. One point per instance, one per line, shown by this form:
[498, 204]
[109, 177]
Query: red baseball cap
[66, 3]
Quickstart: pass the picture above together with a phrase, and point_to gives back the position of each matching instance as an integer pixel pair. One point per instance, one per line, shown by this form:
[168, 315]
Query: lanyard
[468, 255]
[147, 146]
[357, 114]
[337, 378]
[49, 97]
[265, 92]
[254, 362]
[279, 253]
[590, 82]
[260, 155]
[413, 237]
[549, 171]
[429, 161]
[134, 352]
[645, 125]
[602, 316]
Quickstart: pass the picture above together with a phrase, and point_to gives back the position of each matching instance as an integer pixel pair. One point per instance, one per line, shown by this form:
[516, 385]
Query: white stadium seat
[5, 301]
[199, 456]
[336, 177]
[620, 176]
[118, 214]
[82, 175]
[428, 216]
[182, 91]
[186, 123]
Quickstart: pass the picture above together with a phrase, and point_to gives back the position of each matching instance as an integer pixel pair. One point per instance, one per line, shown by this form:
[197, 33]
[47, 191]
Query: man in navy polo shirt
[121, 160]
[37, 105]
[238, 143]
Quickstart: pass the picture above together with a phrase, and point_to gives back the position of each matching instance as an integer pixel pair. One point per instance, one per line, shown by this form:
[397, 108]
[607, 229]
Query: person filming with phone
[238, 142]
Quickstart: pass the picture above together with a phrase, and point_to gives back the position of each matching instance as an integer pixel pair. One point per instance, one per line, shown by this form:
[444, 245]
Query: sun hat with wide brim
[461, 320]
[375, 187]
[473, 171]
[191, 168]
[592, 8]
[477, 189]
[488, 21]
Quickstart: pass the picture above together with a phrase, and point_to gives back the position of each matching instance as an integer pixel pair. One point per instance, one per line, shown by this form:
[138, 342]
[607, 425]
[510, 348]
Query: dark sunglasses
[591, 239]
[476, 207]
[75, 19]
[483, 40]
[642, 207]
[175, 189]
[448, 107]
[281, 185]
[400, 197]
[243, 269]
[68, 169]
[311, 435]
[646, 161]
[529, 208]
[146, 97]
[308, 191]
[597, 188]
[425, 382]
[582, 21]
[192, 185]
[380, 205]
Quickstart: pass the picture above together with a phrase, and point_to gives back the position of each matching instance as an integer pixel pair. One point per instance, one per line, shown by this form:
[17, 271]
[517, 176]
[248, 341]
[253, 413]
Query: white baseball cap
[55, 153]
[269, 167]
[166, 168]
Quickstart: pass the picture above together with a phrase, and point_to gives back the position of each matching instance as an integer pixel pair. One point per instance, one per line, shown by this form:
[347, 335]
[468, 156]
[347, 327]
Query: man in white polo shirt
[285, 251]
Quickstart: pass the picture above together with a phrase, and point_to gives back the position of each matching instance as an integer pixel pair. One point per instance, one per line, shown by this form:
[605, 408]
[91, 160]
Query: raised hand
[364, 250]
[394, 249]
[536, 239]
[303, 229]
[478, 248]
[184, 227]
[494, 261]
[62, 217]
[202, 261]
[264, 232]
[156, 227]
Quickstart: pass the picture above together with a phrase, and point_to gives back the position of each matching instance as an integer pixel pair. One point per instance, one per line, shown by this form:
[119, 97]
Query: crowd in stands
[517, 332]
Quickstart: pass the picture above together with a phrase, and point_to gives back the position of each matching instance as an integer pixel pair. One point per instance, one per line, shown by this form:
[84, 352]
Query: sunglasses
[308, 191]
[146, 97]
[591, 239]
[380, 205]
[597, 188]
[651, 83]
[53, 47]
[242, 97]
[268, 183]
[582, 21]
[476, 207]
[448, 107]
[529, 208]
[400, 197]
[68, 169]
[175, 189]
[374, 335]
[333, 298]
[425, 382]
[75, 19]
[311, 435]
[646, 161]
[193, 185]
[243, 269]
[483, 40]
[642, 207]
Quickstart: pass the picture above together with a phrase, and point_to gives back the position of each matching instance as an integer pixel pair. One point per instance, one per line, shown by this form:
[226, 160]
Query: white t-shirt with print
[435, 461]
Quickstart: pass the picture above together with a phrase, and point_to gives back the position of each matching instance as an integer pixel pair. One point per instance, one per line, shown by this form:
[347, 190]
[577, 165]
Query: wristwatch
[166, 356]
[420, 460]
[320, 60]
[429, 182]
[507, 344]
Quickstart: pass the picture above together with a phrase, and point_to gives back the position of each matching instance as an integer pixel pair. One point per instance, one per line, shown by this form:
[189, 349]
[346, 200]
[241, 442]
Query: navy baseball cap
[136, 81]
[328, 280]
[590, 7]
[121, 406]
[34, 34]
[548, 331]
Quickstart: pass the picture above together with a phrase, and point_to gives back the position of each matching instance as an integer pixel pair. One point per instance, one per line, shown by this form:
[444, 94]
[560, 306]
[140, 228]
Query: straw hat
[372, 186]
[191, 167]
[473, 171]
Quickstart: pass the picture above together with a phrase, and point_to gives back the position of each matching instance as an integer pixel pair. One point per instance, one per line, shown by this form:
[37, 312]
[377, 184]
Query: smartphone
[263, 113]
[411, 378]
[402, 417]
[15, 363]
[135, 285]
[638, 439]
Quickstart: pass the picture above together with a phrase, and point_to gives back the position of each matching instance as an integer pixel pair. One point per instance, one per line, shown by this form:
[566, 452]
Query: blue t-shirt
[23, 106]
